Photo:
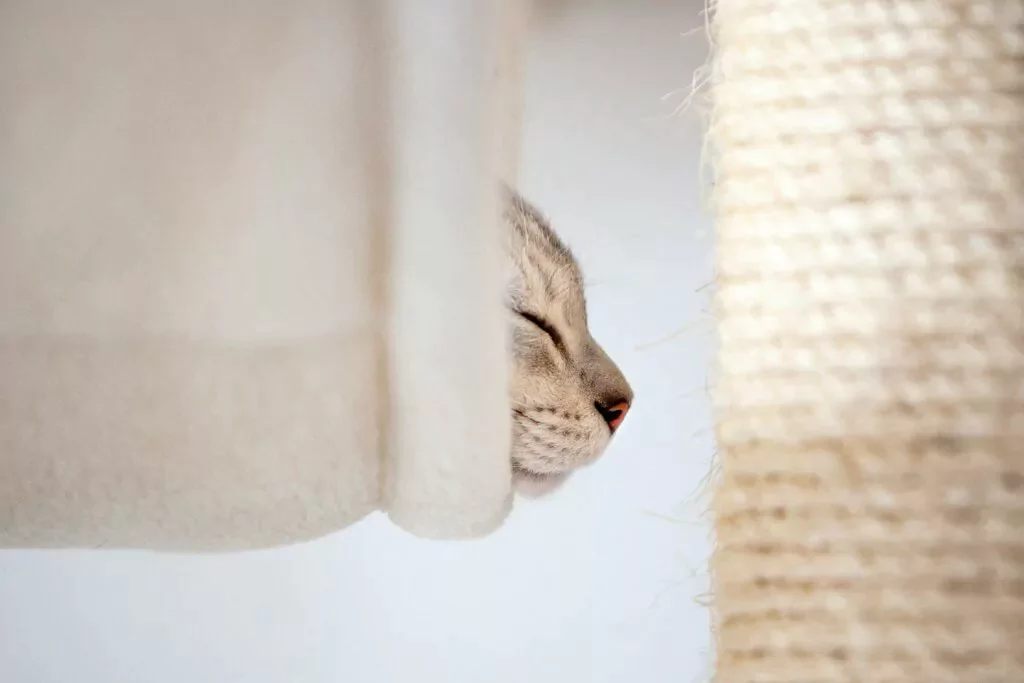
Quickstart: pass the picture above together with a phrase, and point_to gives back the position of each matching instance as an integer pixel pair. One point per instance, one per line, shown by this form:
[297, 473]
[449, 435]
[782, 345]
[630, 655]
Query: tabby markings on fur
[567, 395]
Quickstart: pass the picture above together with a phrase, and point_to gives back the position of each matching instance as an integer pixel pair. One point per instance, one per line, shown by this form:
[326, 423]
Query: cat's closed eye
[543, 325]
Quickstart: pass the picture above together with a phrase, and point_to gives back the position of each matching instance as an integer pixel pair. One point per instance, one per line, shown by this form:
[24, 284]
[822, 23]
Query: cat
[568, 397]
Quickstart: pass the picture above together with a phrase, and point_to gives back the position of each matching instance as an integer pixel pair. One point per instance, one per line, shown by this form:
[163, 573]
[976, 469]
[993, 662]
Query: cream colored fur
[561, 375]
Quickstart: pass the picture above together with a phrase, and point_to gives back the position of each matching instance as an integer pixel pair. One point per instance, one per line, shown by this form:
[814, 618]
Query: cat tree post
[870, 388]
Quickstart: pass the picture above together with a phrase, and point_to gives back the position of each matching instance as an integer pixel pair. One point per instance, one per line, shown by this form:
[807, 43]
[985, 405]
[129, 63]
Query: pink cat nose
[614, 414]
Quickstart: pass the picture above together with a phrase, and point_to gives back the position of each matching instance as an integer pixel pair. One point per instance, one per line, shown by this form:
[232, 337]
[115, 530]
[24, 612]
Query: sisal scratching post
[870, 389]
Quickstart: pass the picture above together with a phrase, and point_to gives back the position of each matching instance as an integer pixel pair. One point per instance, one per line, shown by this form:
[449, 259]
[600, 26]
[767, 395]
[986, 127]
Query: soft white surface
[592, 586]
[193, 272]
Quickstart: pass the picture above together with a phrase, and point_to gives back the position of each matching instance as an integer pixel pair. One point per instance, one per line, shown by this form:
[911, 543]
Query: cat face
[567, 395]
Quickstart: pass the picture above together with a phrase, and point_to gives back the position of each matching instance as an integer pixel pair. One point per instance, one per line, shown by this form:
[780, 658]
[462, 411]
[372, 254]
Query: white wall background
[599, 584]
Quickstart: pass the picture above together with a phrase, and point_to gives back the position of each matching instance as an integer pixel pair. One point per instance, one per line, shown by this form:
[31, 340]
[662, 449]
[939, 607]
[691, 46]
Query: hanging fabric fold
[249, 272]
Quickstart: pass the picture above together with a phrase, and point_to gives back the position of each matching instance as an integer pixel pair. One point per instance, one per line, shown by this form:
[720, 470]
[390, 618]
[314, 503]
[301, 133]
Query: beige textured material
[250, 271]
[870, 388]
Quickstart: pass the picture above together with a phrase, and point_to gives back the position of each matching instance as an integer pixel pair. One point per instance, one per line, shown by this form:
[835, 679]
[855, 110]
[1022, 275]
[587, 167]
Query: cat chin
[535, 485]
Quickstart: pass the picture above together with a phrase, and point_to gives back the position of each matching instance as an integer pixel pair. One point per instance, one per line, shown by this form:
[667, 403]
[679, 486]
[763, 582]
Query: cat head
[568, 397]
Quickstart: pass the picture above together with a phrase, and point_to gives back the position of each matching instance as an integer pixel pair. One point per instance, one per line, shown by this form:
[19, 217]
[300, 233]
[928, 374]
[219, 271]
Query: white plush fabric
[249, 271]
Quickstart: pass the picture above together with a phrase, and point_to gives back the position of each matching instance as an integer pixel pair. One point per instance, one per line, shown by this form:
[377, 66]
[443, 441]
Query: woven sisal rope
[870, 388]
